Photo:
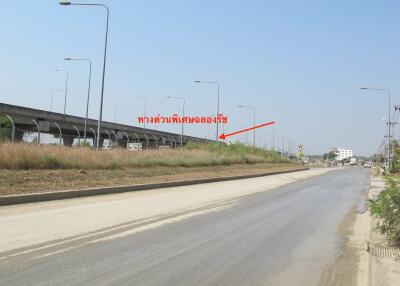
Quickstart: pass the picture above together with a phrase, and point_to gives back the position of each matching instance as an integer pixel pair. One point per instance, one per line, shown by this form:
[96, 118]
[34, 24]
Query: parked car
[367, 164]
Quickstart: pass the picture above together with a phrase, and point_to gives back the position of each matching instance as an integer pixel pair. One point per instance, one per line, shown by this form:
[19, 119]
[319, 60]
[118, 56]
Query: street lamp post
[254, 120]
[265, 141]
[245, 137]
[115, 111]
[273, 137]
[13, 128]
[67, 3]
[95, 138]
[51, 98]
[217, 84]
[389, 96]
[60, 133]
[66, 89]
[145, 108]
[88, 93]
[183, 114]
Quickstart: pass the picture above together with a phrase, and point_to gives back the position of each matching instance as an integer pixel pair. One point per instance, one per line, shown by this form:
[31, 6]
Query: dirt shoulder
[364, 258]
[36, 181]
[352, 266]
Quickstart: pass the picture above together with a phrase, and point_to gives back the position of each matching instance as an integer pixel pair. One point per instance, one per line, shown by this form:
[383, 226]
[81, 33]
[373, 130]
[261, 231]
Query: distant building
[342, 153]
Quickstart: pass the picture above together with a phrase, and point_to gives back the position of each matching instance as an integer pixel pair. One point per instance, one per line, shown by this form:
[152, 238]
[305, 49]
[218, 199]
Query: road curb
[42, 197]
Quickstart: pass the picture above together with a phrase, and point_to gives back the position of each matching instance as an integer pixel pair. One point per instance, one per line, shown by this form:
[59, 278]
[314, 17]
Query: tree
[5, 128]
[378, 158]
[329, 156]
[396, 161]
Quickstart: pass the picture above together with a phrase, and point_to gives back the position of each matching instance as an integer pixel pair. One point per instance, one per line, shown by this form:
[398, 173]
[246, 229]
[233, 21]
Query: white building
[342, 153]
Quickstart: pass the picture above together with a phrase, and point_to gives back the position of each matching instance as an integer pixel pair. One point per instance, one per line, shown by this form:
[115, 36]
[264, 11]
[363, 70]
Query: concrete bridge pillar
[123, 144]
[19, 135]
[68, 140]
[100, 143]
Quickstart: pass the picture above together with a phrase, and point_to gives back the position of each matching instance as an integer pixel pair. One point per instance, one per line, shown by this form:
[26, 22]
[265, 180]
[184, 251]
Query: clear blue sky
[300, 63]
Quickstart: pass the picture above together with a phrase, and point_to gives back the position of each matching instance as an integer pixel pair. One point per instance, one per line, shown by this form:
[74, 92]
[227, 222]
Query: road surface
[284, 236]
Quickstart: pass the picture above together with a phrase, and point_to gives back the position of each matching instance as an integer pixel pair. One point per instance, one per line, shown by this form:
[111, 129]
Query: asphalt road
[281, 237]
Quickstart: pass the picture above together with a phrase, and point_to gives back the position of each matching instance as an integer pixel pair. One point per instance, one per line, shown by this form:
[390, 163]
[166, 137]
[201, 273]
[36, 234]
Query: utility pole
[396, 108]
[394, 123]
[388, 92]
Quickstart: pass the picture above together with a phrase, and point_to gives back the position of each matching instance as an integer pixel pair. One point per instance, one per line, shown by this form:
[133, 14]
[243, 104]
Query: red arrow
[223, 136]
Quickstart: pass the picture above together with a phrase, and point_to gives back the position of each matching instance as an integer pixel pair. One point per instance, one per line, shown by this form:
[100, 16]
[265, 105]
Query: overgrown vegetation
[387, 209]
[329, 156]
[30, 156]
[5, 128]
[396, 160]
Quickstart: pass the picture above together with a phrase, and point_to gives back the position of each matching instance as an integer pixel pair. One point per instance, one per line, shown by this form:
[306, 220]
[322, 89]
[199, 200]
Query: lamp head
[64, 3]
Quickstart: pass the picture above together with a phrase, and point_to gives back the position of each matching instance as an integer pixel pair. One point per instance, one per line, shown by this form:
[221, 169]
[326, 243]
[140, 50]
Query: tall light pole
[217, 84]
[183, 113]
[67, 3]
[270, 143]
[254, 120]
[66, 89]
[290, 147]
[115, 111]
[273, 137]
[389, 95]
[51, 98]
[245, 138]
[88, 93]
[145, 108]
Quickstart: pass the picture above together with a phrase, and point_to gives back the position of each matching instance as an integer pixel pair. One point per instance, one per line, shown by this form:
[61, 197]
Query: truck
[353, 161]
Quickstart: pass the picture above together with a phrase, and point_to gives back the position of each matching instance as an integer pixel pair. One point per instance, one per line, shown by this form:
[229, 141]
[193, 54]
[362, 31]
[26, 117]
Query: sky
[300, 63]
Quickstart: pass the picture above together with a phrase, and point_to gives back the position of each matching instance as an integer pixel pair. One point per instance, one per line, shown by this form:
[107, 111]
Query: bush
[396, 162]
[387, 209]
[50, 161]
[5, 128]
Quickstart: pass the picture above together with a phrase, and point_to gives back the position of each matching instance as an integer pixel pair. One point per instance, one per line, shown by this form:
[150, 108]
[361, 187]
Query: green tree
[396, 161]
[378, 158]
[5, 128]
[329, 156]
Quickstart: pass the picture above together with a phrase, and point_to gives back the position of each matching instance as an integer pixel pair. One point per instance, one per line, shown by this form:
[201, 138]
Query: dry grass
[40, 157]
[29, 168]
[34, 181]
